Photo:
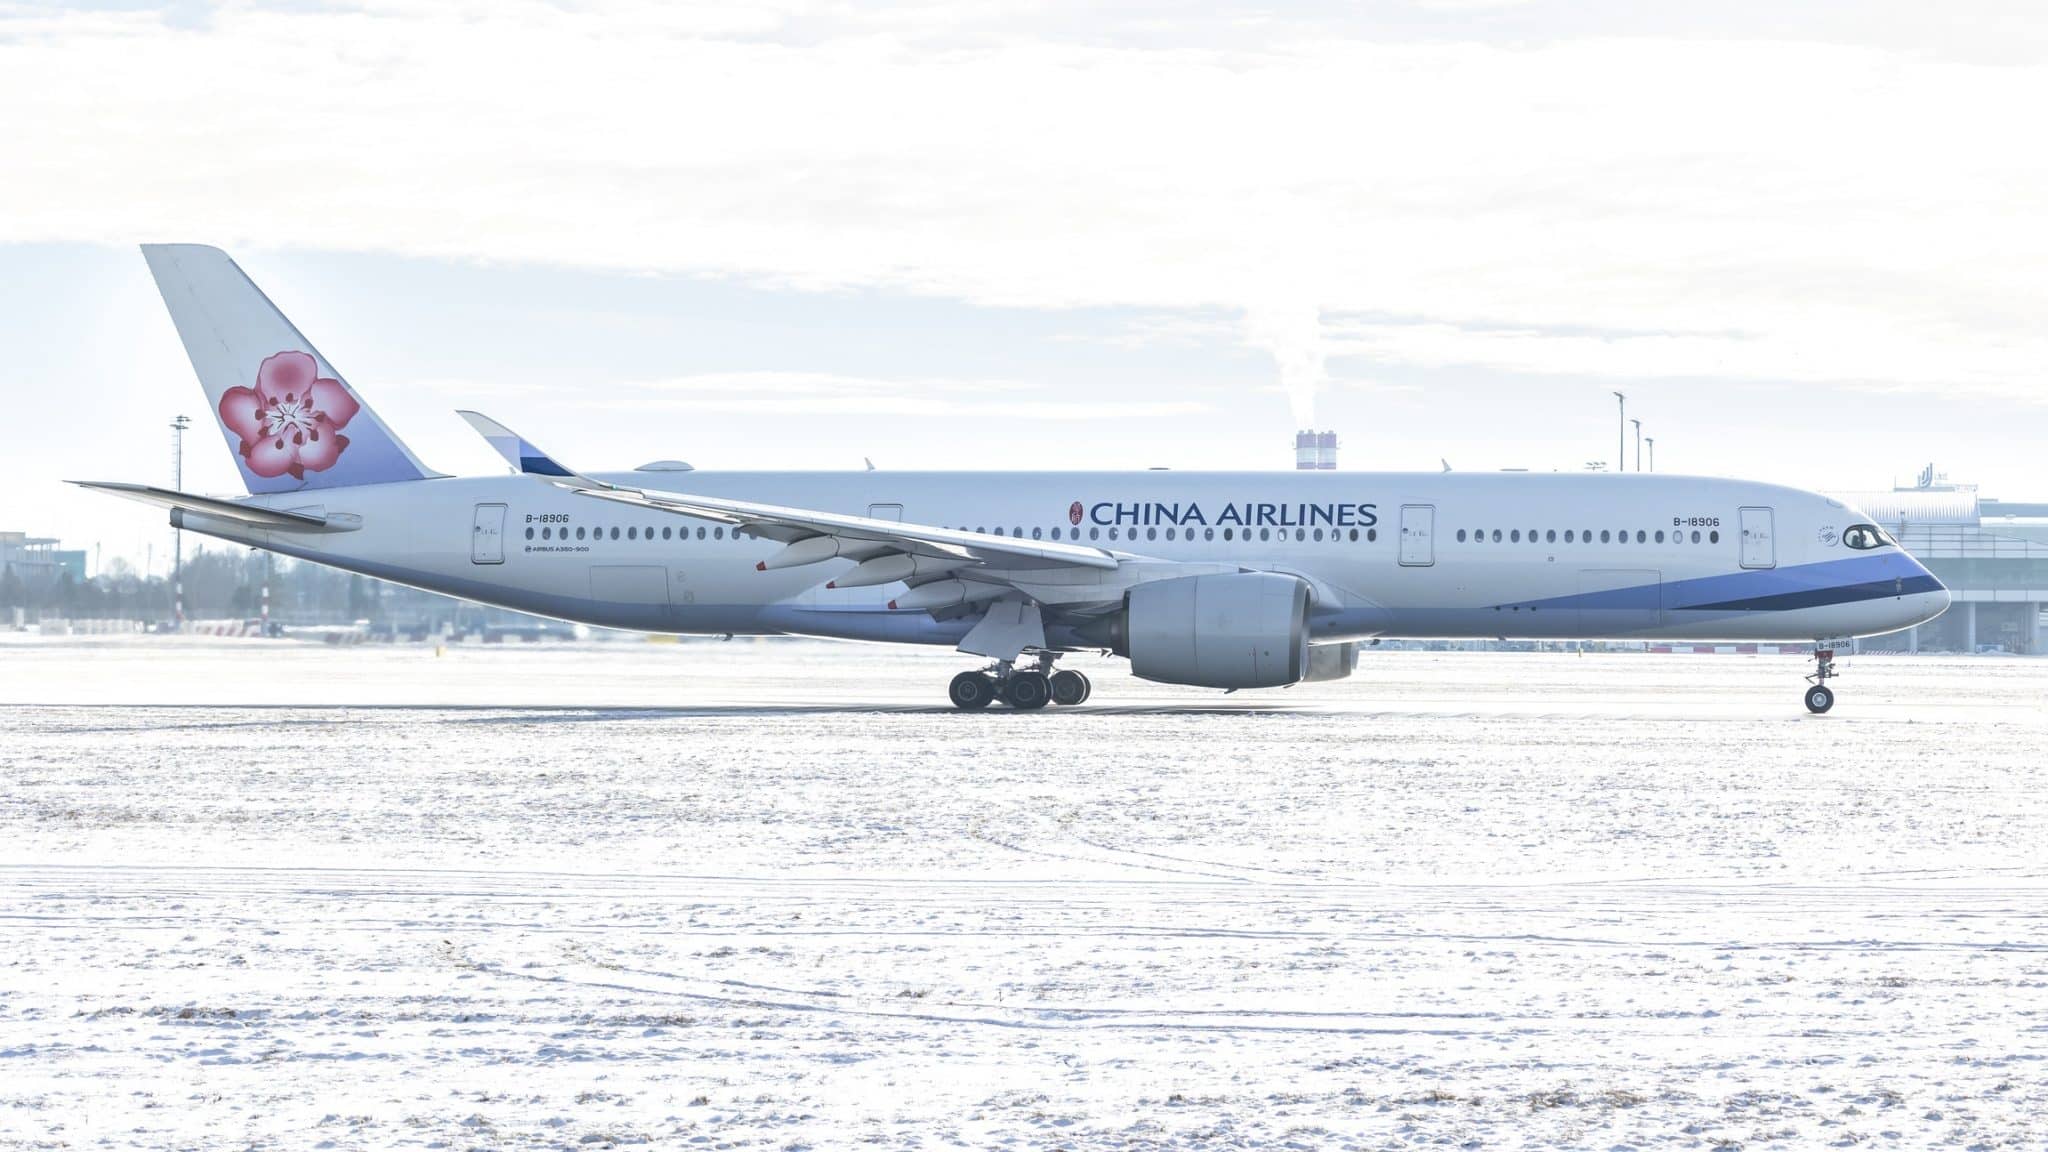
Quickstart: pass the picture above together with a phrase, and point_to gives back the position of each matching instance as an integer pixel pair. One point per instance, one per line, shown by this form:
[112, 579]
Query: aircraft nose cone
[1935, 599]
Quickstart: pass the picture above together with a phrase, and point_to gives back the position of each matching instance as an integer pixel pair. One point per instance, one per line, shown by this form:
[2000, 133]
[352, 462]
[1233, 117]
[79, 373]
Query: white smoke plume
[1291, 332]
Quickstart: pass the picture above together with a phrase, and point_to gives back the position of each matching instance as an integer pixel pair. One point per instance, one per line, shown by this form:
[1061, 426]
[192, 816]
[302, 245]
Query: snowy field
[267, 894]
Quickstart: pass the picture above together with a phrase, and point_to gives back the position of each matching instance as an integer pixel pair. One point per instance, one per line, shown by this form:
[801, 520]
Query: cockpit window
[1865, 536]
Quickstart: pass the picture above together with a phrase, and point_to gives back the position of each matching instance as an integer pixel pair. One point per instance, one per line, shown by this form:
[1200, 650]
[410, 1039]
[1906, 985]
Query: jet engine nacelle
[1229, 630]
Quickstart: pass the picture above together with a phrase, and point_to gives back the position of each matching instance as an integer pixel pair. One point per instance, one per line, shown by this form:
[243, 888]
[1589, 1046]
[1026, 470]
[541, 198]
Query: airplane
[1226, 580]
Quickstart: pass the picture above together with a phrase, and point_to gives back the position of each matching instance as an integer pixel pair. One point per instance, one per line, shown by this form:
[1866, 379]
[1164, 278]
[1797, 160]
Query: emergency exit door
[1418, 532]
[1758, 550]
[487, 535]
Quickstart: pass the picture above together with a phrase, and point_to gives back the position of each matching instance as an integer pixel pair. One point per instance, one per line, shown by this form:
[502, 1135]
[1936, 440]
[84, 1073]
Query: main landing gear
[1025, 689]
[1820, 697]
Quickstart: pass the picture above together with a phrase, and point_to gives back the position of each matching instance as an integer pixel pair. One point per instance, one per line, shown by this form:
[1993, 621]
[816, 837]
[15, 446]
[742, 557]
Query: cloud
[823, 393]
[1772, 211]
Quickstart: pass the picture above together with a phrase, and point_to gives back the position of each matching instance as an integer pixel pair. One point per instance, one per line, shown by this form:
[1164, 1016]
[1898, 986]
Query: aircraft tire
[1819, 699]
[1028, 691]
[1069, 688]
[971, 691]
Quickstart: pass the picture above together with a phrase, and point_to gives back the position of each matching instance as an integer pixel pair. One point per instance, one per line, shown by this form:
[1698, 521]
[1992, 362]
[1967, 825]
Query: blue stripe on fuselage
[1888, 573]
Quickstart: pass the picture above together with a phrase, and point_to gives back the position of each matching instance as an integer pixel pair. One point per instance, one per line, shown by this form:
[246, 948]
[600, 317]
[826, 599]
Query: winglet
[516, 449]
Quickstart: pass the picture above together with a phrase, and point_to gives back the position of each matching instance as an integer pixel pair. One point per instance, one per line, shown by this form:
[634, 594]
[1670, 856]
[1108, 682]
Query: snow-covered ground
[265, 894]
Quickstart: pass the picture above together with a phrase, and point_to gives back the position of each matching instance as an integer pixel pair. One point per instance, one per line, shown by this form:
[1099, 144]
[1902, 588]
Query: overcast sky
[1808, 240]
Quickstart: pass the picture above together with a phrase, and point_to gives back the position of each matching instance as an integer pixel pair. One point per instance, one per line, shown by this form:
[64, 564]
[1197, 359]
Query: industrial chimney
[1305, 457]
[1326, 451]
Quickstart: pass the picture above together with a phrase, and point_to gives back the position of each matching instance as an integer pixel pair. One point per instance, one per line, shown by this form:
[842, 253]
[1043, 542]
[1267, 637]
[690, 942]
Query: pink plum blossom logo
[291, 421]
[1074, 512]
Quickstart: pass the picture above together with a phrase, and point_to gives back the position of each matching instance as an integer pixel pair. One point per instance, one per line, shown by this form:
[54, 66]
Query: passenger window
[1227, 532]
[700, 531]
[1695, 535]
[665, 531]
[1567, 535]
[1515, 536]
[1354, 536]
[1603, 535]
[1265, 533]
[1496, 535]
[1550, 536]
[1863, 537]
[1151, 533]
[1372, 534]
[1461, 535]
[579, 532]
[547, 533]
[632, 533]
[1318, 535]
[1095, 533]
[718, 533]
[1713, 537]
[1035, 533]
[1642, 537]
[1300, 534]
[1208, 533]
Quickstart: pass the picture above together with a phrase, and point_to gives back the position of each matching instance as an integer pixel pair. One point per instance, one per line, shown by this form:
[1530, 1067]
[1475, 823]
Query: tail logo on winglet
[291, 421]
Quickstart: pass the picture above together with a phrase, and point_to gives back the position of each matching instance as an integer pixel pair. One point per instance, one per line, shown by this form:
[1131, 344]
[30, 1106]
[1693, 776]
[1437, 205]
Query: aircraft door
[1418, 531]
[1758, 550]
[487, 535]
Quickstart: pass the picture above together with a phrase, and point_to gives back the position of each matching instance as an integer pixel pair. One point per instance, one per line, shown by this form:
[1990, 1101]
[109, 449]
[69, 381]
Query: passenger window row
[1333, 535]
[1573, 536]
[1304, 535]
[633, 533]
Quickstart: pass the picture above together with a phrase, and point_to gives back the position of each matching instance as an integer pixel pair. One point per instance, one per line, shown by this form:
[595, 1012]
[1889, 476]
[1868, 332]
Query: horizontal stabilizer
[251, 514]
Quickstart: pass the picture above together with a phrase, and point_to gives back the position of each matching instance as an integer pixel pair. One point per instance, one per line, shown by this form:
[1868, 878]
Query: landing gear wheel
[1069, 688]
[971, 690]
[1820, 697]
[1027, 691]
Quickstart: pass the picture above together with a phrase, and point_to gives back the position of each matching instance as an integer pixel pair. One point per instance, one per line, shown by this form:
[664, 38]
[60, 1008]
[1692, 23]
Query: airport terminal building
[1992, 555]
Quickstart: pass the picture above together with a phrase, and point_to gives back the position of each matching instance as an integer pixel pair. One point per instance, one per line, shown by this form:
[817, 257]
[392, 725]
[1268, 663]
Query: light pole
[178, 427]
[1639, 444]
[1621, 436]
[1652, 442]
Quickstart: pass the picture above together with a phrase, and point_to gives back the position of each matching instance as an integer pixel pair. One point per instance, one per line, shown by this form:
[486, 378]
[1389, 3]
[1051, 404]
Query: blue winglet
[519, 452]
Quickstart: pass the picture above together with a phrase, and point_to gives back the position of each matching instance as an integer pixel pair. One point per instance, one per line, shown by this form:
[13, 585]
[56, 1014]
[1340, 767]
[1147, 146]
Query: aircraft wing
[861, 536]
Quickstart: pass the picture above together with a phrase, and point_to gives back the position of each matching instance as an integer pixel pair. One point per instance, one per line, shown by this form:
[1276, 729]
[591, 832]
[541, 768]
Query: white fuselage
[1389, 554]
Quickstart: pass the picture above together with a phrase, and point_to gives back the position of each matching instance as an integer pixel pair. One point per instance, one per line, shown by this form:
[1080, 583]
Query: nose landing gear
[1820, 697]
[1026, 689]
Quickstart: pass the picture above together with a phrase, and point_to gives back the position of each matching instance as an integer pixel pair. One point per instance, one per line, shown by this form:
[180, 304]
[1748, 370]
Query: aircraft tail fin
[291, 421]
